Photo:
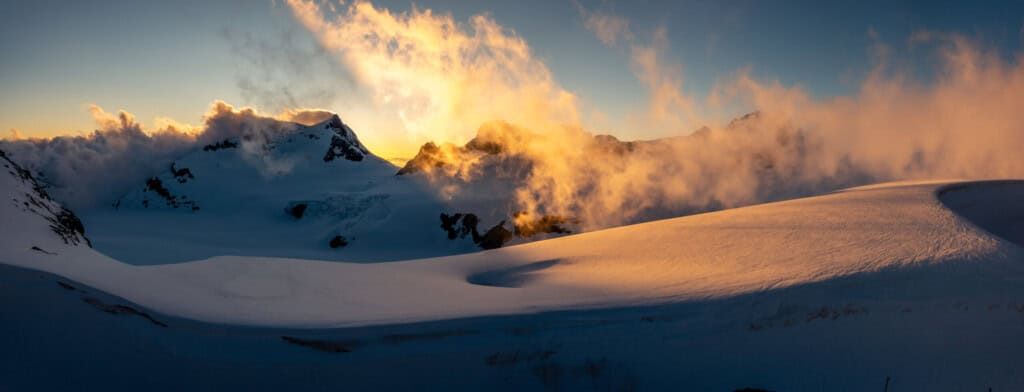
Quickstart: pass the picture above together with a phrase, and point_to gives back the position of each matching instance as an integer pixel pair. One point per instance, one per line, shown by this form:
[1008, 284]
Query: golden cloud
[441, 77]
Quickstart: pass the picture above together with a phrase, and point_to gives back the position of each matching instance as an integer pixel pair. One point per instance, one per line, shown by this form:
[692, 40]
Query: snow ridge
[27, 194]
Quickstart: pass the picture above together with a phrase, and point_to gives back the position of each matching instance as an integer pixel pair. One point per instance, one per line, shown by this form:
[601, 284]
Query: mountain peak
[344, 143]
[30, 196]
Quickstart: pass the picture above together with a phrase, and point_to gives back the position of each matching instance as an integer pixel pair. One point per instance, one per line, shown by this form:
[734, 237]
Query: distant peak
[335, 123]
[344, 142]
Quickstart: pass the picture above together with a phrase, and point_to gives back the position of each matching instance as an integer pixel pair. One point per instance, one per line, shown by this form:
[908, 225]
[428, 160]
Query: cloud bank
[97, 168]
[964, 122]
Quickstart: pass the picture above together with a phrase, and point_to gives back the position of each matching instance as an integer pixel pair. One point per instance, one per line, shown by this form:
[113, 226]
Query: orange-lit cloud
[450, 81]
[966, 123]
[13, 134]
[106, 122]
[305, 116]
[668, 110]
[608, 28]
[170, 124]
[443, 78]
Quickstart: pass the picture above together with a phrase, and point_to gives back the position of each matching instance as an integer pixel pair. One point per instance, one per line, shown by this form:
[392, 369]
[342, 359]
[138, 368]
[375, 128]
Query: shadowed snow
[510, 277]
[995, 206]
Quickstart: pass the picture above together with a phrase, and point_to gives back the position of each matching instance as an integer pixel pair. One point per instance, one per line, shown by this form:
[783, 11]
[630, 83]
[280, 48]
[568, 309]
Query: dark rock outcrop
[319, 345]
[41, 250]
[492, 139]
[297, 210]
[448, 223]
[155, 185]
[428, 158]
[495, 237]
[121, 310]
[182, 175]
[344, 143]
[547, 224]
[62, 221]
[460, 225]
[338, 242]
[611, 144]
[226, 143]
[67, 225]
[505, 145]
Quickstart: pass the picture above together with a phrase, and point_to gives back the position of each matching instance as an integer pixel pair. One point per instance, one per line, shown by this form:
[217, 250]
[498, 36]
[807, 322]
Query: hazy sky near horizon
[172, 59]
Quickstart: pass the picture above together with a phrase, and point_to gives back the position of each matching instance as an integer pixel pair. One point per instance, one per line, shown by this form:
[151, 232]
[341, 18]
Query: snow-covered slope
[860, 232]
[31, 217]
[913, 286]
[316, 192]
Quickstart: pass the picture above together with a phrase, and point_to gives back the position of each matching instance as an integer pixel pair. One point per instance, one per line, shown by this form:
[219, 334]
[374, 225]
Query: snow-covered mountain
[315, 192]
[570, 180]
[918, 283]
[914, 283]
[27, 203]
[902, 281]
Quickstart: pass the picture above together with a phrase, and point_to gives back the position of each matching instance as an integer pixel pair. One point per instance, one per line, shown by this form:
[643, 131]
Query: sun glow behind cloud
[441, 77]
[446, 79]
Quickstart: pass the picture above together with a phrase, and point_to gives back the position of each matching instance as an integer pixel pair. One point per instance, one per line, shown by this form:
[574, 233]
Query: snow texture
[914, 285]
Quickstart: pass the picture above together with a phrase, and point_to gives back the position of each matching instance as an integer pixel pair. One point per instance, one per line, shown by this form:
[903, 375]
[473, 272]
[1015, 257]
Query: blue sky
[171, 59]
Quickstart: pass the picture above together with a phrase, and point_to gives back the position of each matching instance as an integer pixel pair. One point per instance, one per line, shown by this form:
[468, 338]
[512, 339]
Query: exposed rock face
[62, 221]
[609, 143]
[344, 143]
[497, 140]
[510, 148]
[121, 310]
[297, 210]
[547, 224]
[319, 345]
[338, 242]
[153, 184]
[460, 225]
[429, 157]
[495, 237]
[224, 144]
[68, 227]
[182, 175]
